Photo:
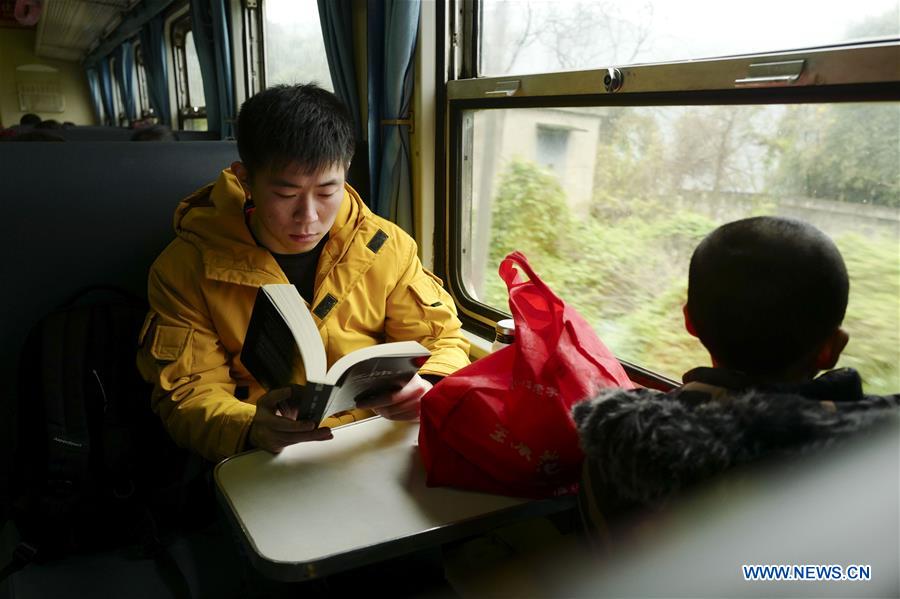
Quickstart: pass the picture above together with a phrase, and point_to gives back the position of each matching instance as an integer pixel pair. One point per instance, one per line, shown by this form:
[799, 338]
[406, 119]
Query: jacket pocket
[426, 290]
[435, 311]
[164, 353]
[170, 342]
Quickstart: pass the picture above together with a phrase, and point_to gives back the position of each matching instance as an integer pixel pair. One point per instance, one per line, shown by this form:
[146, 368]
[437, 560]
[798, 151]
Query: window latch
[505, 88]
[768, 74]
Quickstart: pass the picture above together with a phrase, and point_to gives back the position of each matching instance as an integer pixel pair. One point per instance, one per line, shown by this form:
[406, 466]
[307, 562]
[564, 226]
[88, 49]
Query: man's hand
[399, 405]
[274, 428]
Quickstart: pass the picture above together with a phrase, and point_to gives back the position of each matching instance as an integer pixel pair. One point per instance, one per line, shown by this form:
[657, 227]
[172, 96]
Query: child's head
[766, 296]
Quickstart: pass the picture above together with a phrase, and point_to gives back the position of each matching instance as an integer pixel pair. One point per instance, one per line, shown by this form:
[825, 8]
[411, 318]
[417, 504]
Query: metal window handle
[764, 74]
[774, 80]
[505, 88]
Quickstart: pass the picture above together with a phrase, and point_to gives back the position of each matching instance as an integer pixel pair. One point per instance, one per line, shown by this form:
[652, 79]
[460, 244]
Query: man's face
[293, 210]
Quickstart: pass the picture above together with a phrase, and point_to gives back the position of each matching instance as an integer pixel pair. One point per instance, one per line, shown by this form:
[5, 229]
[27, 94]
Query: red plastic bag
[503, 423]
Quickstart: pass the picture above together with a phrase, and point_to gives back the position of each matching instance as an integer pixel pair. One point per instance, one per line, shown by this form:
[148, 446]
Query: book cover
[270, 352]
[283, 348]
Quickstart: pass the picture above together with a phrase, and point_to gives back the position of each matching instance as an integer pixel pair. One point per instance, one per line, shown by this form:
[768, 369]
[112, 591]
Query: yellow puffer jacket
[203, 285]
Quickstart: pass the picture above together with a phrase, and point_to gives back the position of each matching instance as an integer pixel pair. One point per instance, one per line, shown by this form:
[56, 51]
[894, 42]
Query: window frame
[253, 43]
[263, 53]
[178, 30]
[839, 73]
[120, 115]
[142, 91]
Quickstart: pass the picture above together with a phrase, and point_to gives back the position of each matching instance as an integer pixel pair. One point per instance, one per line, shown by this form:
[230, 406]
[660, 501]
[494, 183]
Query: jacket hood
[648, 445]
[212, 219]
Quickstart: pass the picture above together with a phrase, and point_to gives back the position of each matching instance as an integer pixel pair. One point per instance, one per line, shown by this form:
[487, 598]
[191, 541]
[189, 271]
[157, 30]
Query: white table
[323, 507]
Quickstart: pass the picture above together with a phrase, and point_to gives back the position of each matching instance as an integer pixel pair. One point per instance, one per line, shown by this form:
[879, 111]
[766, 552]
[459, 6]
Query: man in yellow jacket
[283, 214]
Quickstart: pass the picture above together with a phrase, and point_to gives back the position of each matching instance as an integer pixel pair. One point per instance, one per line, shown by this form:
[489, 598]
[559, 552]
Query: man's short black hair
[30, 119]
[300, 124]
[765, 292]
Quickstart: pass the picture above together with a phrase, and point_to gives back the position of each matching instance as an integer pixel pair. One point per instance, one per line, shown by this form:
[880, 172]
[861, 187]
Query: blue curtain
[94, 87]
[209, 23]
[393, 26]
[106, 93]
[124, 70]
[335, 17]
[154, 50]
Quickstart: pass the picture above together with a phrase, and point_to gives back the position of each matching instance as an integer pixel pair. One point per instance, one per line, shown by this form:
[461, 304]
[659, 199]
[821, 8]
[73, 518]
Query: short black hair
[765, 292]
[153, 133]
[30, 118]
[301, 124]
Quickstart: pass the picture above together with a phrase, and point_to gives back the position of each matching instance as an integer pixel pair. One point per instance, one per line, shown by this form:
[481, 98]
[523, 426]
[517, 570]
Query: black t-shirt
[301, 268]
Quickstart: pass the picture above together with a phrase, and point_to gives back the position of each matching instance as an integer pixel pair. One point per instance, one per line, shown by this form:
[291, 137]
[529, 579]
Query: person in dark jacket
[766, 298]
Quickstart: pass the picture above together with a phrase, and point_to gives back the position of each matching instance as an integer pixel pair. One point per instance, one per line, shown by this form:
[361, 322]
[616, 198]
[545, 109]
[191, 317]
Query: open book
[283, 348]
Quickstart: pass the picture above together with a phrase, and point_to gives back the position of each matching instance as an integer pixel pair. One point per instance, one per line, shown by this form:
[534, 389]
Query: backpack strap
[121, 406]
[68, 439]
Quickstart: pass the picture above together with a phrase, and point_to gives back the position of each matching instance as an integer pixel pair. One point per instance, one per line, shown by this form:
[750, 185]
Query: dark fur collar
[647, 444]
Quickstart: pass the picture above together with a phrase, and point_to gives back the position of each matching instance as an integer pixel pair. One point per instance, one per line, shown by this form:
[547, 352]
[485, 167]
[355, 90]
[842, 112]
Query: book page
[293, 309]
[373, 376]
[411, 349]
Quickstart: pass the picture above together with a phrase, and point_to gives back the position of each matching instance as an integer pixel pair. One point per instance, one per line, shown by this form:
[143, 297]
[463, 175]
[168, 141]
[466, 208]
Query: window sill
[480, 347]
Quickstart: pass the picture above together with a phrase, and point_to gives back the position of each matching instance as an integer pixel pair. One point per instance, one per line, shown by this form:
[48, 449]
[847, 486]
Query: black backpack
[92, 460]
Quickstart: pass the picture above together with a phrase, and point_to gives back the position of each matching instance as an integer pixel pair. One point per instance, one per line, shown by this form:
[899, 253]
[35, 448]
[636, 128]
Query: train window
[135, 80]
[188, 78]
[294, 48]
[253, 51]
[607, 180]
[121, 119]
[139, 75]
[194, 78]
[534, 36]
